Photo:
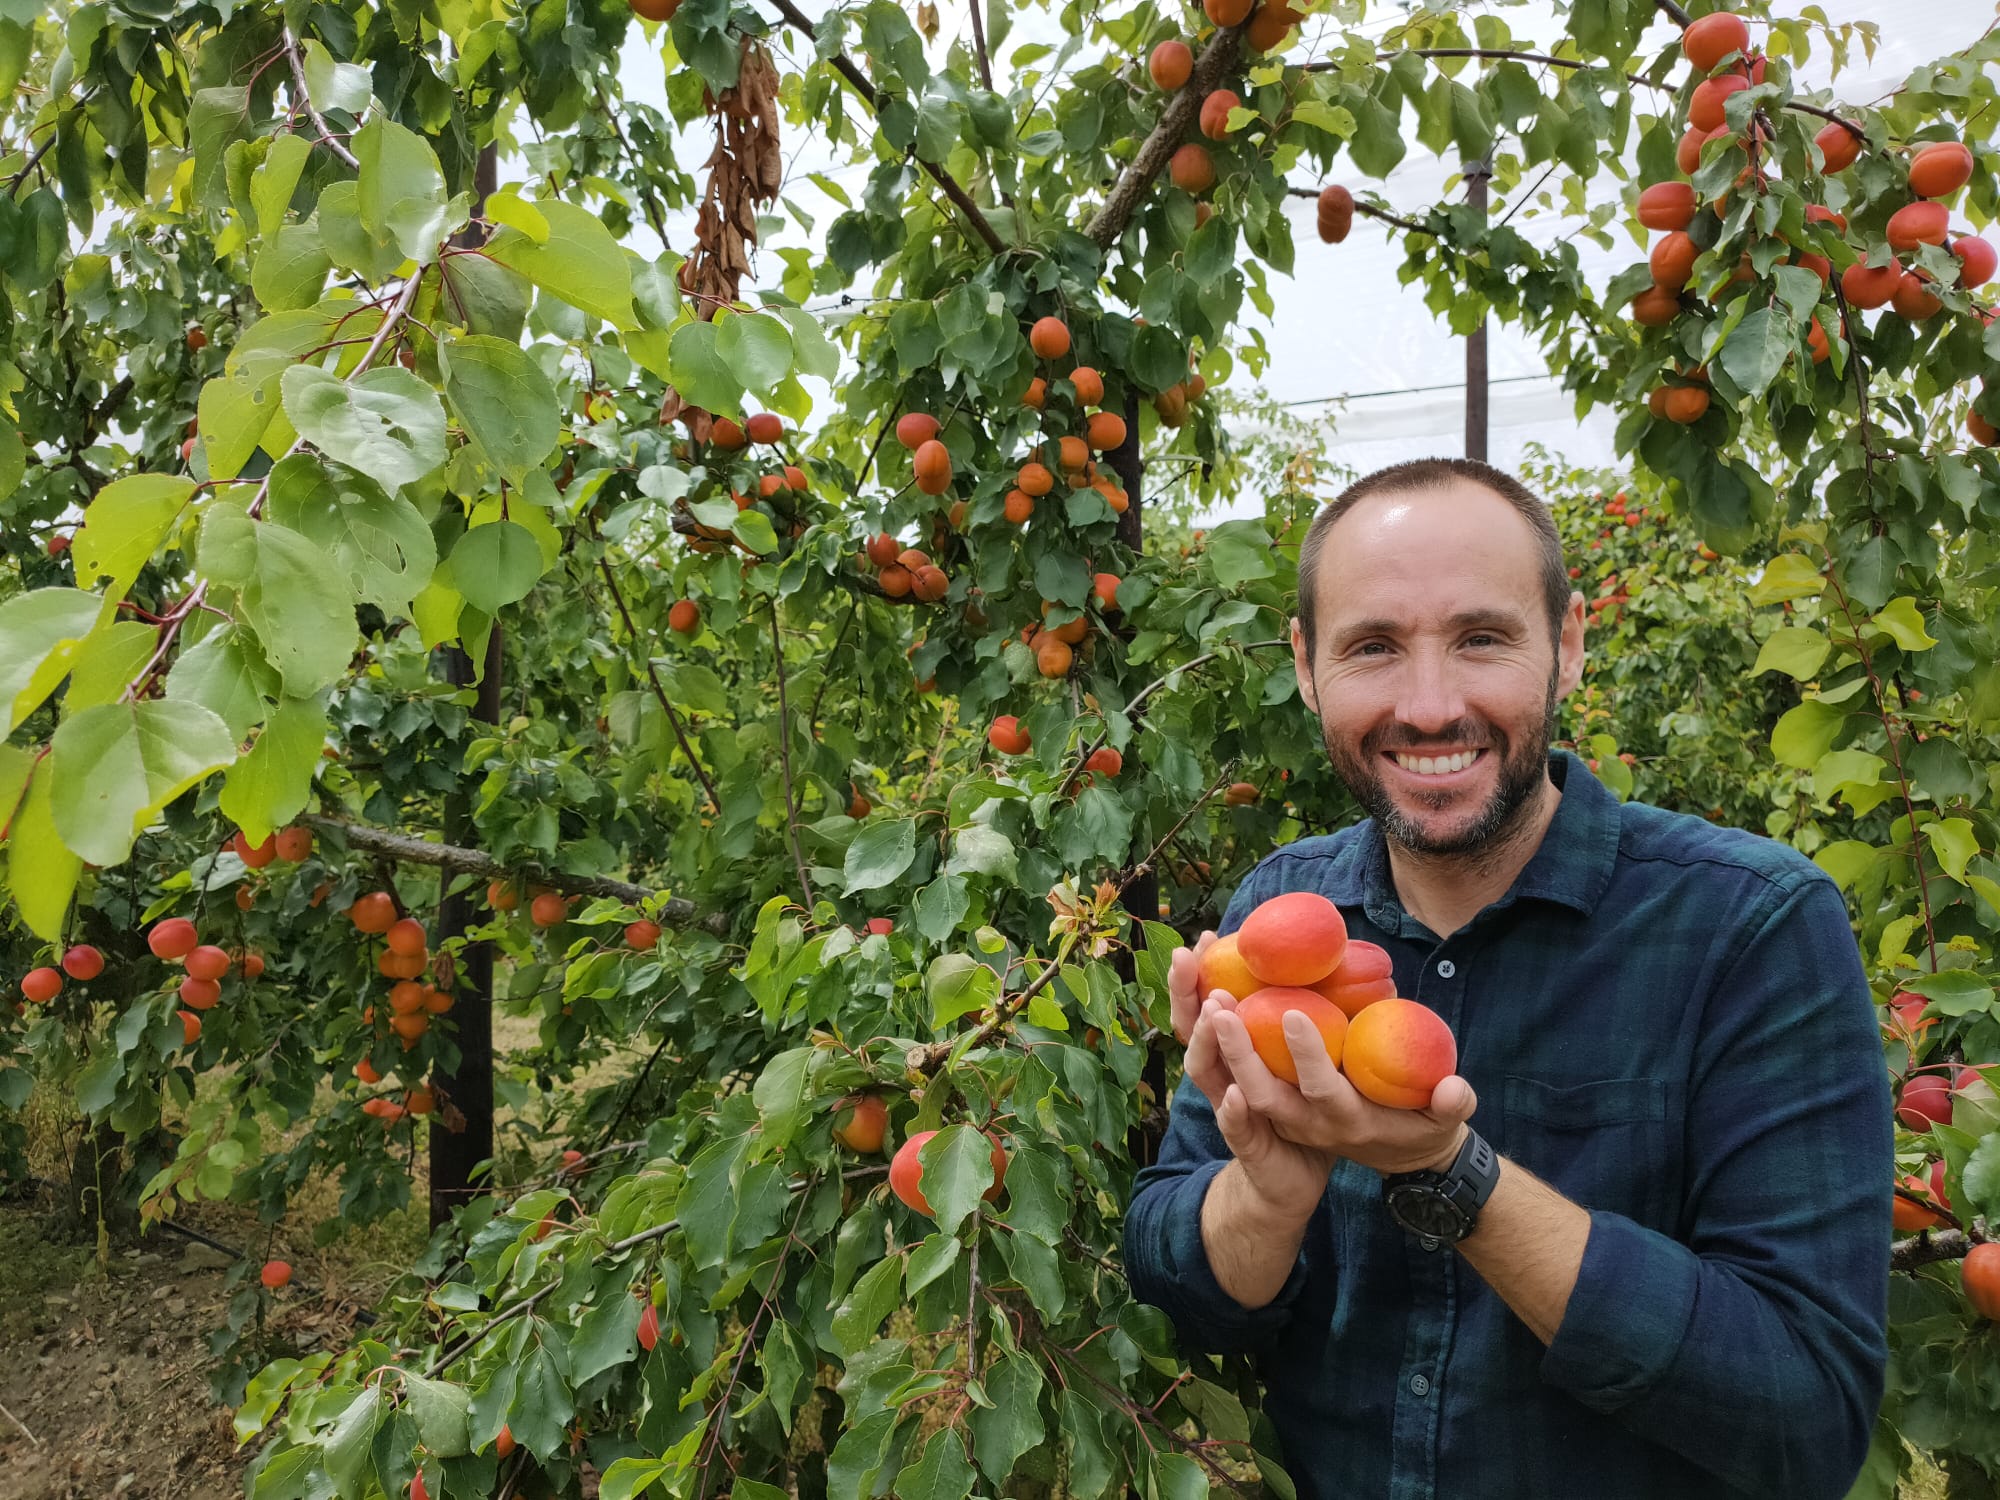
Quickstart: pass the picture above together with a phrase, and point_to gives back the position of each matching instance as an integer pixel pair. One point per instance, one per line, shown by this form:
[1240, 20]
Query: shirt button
[1419, 1386]
[1446, 968]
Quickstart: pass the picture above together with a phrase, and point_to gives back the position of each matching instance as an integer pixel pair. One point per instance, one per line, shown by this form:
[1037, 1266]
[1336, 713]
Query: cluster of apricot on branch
[1171, 65]
[905, 572]
[404, 957]
[784, 490]
[1067, 454]
[1292, 953]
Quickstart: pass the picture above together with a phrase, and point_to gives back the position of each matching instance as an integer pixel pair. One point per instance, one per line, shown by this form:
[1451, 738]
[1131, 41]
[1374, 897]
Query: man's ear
[1302, 663]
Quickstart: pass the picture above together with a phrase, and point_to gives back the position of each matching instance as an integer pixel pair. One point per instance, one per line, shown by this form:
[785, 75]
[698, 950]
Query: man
[1639, 1247]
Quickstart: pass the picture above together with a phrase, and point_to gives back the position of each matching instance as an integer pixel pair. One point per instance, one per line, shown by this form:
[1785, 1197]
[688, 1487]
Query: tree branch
[659, 692]
[785, 755]
[326, 135]
[1930, 1246]
[409, 849]
[1218, 57]
[844, 65]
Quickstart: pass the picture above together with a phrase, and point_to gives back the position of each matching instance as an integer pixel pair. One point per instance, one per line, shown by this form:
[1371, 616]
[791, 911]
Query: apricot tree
[860, 761]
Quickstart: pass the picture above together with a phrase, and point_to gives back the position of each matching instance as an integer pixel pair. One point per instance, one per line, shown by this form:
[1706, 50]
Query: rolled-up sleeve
[1755, 1342]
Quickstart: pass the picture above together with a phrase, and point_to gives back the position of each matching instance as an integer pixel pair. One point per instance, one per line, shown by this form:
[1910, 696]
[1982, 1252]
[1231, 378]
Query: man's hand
[1284, 1179]
[1325, 1115]
[1205, 1067]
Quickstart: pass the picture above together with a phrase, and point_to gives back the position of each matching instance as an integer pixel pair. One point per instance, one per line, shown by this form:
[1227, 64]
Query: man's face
[1434, 647]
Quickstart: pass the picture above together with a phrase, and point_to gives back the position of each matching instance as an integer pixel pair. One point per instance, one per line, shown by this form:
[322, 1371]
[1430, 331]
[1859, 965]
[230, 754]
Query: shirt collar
[1572, 867]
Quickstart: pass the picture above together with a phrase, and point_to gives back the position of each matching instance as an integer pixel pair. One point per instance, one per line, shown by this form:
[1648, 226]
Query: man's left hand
[1326, 1112]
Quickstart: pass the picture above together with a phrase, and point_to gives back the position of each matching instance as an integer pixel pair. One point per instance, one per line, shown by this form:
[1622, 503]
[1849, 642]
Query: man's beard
[1524, 767]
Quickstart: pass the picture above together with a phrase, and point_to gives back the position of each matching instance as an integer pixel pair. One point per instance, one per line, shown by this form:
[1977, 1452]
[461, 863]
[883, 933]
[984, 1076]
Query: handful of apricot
[1293, 953]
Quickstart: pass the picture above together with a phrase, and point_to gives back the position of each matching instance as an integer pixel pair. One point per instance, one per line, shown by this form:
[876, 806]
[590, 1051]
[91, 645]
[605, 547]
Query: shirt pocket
[1604, 1145]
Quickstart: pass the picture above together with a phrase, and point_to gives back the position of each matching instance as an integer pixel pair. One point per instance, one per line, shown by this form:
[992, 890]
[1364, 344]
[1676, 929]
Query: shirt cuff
[1627, 1316]
[1218, 1317]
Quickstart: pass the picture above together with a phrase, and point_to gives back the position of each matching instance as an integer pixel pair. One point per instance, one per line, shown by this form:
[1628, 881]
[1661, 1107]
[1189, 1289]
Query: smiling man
[1638, 1246]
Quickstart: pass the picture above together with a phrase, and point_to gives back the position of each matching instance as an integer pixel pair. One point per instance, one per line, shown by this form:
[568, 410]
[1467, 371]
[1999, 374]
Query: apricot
[255, 856]
[1705, 108]
[1366, 974]
[1917, 224]
[1398, 1052]
[1171, 65]
[1263, 1016]
[1034, 480]
[276, 1273]
[684, 618]
[1686, 404]
[190, 1027]
[906, 1173]
[1672, 260]
[1037, 394]
[1336, 213]
[366, 1072]
[1709, 40]
[503, 1442]
[1977, 260]
[1656, 403]
[1105, 587]
[1105, 430]
[1908, 1217]
[399, 965]
[547, 909]
[1838, 146]
[199, 994]
[1687, 152]
[295, 844]
[501, 896]
[1295, 939]
[1667, 205]
[1007, 736]
[649, 1328]
[1214, 118]
[766, 427]
[83, 962]
[373, 913]
[208, 962]
[1240, 793]
[727, 435]
[932, 466]
[407, 938]
[1072, 453]
[1049, 338]
[1227, 12]
[1816, 342]
[642, 935]
[410, 1027]
[861, 1125]
[1940, 169]
[1979, 1274]
[1925, 1101]
[1088, 385]
[436, 1001]
[880, 926]
[1983, 431]
[1105, 759]
[1272, 23]
[406, 997]
[41, 985]
[1868, 287]
[896, 581]
[1053, 657]
[930, 584]
[1192, 169]
[1914, 299]
[1018, 506]
[420, 1100]
[1655, 307]
[914, 429]
[661, 11]
[1223, 968]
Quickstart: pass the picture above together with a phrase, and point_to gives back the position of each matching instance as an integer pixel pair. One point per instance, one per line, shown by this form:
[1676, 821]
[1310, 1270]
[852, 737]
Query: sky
[1343, 325]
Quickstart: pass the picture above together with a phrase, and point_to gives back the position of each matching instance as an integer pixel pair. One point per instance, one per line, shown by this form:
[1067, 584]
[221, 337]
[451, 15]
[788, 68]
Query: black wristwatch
[1441, 1208]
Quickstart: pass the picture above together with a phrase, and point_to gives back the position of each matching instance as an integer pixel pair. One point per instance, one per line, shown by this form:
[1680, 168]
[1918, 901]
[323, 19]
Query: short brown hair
[1436, 474]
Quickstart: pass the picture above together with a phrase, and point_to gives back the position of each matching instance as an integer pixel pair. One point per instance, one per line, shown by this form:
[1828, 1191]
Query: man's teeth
[1428, 766]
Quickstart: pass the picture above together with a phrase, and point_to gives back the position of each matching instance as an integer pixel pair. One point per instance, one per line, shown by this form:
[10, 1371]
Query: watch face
[1426, 1211]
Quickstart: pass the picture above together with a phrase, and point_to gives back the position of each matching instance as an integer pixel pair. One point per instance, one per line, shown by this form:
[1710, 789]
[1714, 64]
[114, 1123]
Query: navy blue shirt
[1669, 1023]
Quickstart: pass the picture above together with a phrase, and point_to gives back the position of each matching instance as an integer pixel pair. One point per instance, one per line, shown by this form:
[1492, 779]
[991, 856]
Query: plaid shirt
[1669, 1023]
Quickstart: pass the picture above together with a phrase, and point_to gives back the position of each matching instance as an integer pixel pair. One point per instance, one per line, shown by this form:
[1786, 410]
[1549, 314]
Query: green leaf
[957, 1172]
[942, 1472]
[880, 854]
[439, 1408]
[401, 189]
[629, 1478]
[1795, 650]
[504, 400]
[756, 348]
[606, 1336]
[696, 368]
[332, 84]
[1954, 842]
[290, 271]
[40, 634]
[124, 527]
[235, 412]
[983, 850]
[349, 1444]
[1982, 1177]
[754, 530]
[875, 1295]
[380, 541]
[1177, 1477]
[226, 674]
[117, 765]
[41, 868]
[1239, 552]
[1758, 348]
[300, 609]
[109, 661]
[1791, 576]
[1952, 992]
[780, 1094]
[579, 263]
[1904, 625]
[1807, 732]
[812, 354]
[267, 788]
[385, 422]
[277, 175]
[1012, 1425]
[958, 984]
[495, 565]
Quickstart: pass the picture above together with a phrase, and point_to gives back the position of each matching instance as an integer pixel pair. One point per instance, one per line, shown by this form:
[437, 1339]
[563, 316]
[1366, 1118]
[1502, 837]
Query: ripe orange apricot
[1240, 793]
[1979, 1274]
[661, 11]
[932, 466]
[208, 962]
[914, 429]
[294, 844]
[1018, 507]
[393, 965]
[1908, 1217]
[1222, 968]
[1088, 384]
[373, 913]
[1667, 205]
[642, 935]
[410, 1028]
[882, 549]
[1839, 146]
[1940, 169]
[1917, 224]
[1366, 974]
[896, 581]
[1227, 12]
[1171, 65]
[1686, 404]
[1983, 431]
[929, 583]
[1105, 759]
[1655, 307]
[1672, 260]
[1867, 286]
[199, 994]
[83, 962]
[1336, 213]
[1007, 736]
[190, 1027]
[436, 1001]
[1106, 430]
[41, 985]
[1214, 118]
[1034, 480]
[684, 618]
[1053, 657]
[420, 1100]
[1294, 939]
[1105, 587]
[503, 1442]
[366, 1072]
[1037, 395]
[727, 435]
[1816, 342]
[276, 1273]
[1072, 453]
[407, 937]
[1049, 338]
[906, 1173]
[861, 1125]
[1398, 1052]
[547, 909]
[1709, 40]
[1263, 1016]
[1192, 169]
[1705, 107]
[501, 896]
[1977, 260]
[1272, 23]
[1914, 299]
[766, 427]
